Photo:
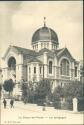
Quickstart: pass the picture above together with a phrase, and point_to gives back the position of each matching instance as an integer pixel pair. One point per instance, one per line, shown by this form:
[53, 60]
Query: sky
[20, 19]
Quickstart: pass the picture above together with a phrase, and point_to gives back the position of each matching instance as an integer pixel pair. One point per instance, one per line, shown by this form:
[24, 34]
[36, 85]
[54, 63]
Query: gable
[9, 51]
[19, 50]
[65, 52]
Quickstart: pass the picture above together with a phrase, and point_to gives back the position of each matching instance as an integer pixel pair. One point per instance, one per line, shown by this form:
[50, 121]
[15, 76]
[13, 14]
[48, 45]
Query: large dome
[45, 34]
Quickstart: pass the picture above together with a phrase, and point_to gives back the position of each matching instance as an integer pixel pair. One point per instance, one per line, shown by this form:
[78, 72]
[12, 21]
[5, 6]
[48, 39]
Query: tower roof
[45, 34]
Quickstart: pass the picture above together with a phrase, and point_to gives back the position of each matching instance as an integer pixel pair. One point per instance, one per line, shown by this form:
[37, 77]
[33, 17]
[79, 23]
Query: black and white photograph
[41, 62]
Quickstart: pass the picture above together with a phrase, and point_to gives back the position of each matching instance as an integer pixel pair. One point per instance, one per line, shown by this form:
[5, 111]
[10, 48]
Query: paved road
[30, 113]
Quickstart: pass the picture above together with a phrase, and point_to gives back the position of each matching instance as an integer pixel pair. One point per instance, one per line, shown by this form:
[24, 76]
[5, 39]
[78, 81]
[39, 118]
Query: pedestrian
[5, 103]
[11, 103]
[43, 107]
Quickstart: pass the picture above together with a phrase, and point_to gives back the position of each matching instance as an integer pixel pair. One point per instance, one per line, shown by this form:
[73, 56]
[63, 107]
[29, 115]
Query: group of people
[11, 103]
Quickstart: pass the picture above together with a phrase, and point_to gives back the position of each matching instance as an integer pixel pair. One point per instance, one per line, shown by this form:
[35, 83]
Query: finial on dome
[44, 21]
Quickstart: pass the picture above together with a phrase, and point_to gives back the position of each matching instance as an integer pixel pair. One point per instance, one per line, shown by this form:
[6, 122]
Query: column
[19, 68]
[45, 65]
[37, 72]
[72, 71]
[19, 72]
[78, 71]
[55, 64]
[50, 45]
[32, 72]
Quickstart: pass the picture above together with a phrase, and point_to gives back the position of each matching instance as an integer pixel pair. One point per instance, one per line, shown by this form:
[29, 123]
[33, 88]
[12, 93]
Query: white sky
[19, 20]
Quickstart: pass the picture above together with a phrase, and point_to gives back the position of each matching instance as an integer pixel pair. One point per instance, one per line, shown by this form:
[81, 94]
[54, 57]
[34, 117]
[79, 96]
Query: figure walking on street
[11, 103]
[5, 103]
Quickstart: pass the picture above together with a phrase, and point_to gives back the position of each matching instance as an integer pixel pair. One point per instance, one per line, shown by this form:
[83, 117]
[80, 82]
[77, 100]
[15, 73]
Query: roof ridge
[58, 50]
[61, 50]
[25, 51]
[23, 48]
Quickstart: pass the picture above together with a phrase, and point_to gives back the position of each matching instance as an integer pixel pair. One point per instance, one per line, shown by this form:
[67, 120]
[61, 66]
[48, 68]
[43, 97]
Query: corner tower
[45, 37]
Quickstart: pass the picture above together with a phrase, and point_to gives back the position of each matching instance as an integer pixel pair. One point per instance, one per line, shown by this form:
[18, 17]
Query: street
[33, 114]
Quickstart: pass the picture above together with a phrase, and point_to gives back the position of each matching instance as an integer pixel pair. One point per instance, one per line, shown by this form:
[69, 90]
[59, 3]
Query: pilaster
[37, 72]
[45, 65]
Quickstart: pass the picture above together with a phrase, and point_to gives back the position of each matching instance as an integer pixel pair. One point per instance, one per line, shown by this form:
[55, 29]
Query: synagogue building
[44, 61]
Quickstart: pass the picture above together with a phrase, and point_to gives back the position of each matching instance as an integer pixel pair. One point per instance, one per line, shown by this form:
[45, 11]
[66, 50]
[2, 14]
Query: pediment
[65, 53]
[10, 52]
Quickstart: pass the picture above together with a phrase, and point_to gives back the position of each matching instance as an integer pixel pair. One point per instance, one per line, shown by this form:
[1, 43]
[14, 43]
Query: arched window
[41, 45]
[52, 46]
[47, 44]
[37, 46]
[64, 67]
[50, 67]
[34, 70]
[44, 45]
[75, 71]
[12, 63]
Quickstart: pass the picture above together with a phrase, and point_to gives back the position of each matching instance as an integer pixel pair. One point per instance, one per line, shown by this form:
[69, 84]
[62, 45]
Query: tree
[74, 89]
[68, 92]
[28, 92]
[43, 89]
[25, 92]
[32, 92]
[8, 85]
[82, 72]
[58, 94]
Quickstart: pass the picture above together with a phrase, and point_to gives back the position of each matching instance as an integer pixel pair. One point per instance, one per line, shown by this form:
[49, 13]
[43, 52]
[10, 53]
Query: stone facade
[45, 60]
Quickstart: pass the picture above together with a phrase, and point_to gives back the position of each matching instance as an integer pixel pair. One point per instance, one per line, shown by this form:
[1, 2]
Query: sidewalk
[31, 113]
[28, 106]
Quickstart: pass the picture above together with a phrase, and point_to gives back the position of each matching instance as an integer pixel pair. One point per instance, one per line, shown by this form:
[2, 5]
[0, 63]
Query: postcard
[41, 62]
